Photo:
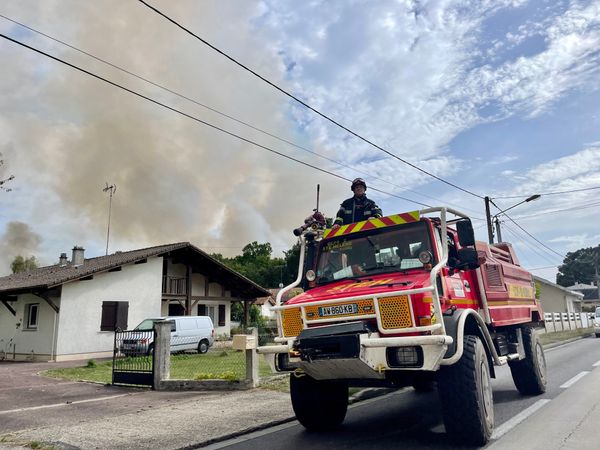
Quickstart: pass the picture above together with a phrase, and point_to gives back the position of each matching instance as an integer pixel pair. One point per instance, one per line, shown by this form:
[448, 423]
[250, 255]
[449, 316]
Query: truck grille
[395, 312]
[291, 322]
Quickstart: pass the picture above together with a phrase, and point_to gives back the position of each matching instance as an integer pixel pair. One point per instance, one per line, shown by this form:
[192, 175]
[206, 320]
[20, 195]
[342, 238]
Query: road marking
[54, 405]
[596, 364]
[574, 380]
[510, 424]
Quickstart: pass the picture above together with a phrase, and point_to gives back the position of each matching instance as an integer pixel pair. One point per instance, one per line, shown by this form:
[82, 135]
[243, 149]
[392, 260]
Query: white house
[70, 310]
[555, 298]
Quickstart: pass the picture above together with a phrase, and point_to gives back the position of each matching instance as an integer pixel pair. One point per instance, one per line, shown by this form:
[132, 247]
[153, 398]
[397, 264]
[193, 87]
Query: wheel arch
[461, 323]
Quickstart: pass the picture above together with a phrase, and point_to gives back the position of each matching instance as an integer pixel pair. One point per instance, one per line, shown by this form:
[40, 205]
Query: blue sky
[499, 97]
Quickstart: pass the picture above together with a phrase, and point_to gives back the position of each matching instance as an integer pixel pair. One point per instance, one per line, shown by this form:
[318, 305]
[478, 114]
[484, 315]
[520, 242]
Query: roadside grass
[550, 338]
[13, 441]
[225, 364]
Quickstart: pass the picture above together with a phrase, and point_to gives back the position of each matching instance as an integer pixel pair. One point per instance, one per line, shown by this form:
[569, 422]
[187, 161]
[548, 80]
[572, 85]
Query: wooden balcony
[174, 285]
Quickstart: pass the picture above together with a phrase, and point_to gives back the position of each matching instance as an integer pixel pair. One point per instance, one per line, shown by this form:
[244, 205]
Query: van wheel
[465, 387]
[529, 374]
[319, 405]
[202, 346]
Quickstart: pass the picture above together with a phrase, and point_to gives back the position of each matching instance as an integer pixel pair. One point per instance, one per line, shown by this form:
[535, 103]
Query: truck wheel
[529, 374]
[466, 395]
[319, 405]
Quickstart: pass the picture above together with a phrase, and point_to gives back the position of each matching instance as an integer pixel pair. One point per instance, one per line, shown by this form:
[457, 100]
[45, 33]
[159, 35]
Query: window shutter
[122, 314]
[201, 310]
[221, 315]
[109, 315]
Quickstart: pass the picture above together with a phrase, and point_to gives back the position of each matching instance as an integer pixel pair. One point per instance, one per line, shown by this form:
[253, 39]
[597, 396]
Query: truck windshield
[375, 251]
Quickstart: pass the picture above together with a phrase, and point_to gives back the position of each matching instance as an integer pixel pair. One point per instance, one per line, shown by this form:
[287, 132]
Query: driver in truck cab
[357, 208]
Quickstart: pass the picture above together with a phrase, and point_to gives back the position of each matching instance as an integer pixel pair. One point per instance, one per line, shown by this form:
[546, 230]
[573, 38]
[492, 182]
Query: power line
[533, 237]
[197, 119]
[303, 103]
[532, 247]
[540, 268]
[573, 208]
[196, 102]
[548, 193]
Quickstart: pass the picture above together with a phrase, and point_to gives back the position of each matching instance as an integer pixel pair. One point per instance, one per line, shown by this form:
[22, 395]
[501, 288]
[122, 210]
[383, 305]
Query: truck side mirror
[468, 258]
[466, 236]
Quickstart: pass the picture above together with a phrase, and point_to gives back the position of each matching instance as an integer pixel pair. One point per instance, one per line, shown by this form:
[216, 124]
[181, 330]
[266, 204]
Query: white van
[187, 333]
[597, 322]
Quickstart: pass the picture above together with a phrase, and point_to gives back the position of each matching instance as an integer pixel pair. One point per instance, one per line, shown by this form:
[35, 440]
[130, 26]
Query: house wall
[79, 334]
[36, 343]
[557, 300]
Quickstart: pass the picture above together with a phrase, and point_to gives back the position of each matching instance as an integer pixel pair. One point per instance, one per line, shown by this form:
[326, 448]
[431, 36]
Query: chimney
[62, 261]
[77, 259]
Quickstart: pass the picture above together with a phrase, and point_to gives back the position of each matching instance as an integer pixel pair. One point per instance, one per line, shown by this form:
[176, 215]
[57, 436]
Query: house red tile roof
[48, 277]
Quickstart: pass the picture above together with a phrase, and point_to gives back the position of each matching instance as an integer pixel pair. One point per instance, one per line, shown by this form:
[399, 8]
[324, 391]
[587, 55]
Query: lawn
[216, 364]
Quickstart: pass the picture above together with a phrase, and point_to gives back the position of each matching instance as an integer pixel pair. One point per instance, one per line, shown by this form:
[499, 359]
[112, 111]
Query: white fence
[562, 321]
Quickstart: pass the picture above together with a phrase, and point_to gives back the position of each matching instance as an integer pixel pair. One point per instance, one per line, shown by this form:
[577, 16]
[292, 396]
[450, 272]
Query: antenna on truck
[318, 189]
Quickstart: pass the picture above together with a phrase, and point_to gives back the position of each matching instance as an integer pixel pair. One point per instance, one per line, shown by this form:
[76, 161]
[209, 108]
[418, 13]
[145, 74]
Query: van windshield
[148, 325]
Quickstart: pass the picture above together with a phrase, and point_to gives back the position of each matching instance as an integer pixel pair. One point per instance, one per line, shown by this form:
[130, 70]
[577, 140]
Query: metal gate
[133, 357]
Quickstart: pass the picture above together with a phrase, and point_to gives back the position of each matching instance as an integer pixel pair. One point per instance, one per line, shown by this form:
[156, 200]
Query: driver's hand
[335, 226]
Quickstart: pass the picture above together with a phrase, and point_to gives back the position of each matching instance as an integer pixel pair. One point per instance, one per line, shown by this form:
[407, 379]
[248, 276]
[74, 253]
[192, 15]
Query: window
[201, 310]
[31, 312]
[221, 315]
[114, 315]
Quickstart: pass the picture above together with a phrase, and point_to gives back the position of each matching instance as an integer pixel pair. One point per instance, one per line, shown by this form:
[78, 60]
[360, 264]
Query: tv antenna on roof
[112, 189]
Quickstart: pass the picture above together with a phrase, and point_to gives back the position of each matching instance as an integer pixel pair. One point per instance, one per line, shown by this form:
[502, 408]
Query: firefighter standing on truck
[357, 208]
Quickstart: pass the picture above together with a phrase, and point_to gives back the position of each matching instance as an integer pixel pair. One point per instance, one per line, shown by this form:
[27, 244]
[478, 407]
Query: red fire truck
[408, 299]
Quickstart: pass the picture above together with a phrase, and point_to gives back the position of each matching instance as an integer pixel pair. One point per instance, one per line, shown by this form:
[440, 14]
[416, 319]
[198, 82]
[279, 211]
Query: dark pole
[498, 233]
[489, 220]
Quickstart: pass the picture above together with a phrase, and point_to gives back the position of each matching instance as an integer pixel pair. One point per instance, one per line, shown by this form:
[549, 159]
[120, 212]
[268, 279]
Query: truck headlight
[404, 356]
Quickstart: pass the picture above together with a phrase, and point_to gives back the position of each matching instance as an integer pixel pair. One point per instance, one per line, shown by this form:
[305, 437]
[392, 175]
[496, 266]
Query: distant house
[266, 303]
[591, 295]
[70, 310]
[555, 298]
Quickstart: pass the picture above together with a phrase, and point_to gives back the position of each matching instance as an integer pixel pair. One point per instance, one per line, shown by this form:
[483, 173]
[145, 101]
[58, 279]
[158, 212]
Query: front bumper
[361, 356]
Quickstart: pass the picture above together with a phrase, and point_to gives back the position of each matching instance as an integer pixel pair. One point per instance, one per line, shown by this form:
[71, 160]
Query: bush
[91, 364]
[229, 376]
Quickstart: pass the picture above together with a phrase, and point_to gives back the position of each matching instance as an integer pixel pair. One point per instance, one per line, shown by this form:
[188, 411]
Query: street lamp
[495, 218]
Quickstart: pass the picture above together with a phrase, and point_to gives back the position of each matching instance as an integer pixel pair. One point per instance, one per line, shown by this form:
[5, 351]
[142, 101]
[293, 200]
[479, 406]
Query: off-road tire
[598, 335]
[423, 385]
[203, 346]
[319, 405]
[466, 395]
[529, 374]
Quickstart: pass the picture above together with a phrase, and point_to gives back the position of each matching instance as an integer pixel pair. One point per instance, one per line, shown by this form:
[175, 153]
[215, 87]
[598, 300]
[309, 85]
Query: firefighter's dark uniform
[356, 209]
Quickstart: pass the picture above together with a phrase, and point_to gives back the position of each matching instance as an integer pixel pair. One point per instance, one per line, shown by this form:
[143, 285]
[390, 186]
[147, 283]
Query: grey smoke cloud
[17, 239]
[176, 179]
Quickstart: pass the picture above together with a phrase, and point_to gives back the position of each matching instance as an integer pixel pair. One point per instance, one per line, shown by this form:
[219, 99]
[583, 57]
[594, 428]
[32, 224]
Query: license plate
[338, 310]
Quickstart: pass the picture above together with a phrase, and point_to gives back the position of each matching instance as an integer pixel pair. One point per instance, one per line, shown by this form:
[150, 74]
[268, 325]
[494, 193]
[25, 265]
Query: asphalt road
[413, 421]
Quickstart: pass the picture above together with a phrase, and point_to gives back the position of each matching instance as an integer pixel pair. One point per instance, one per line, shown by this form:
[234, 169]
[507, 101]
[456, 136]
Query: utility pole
[498, 233]
[488, 218]
[112, 189]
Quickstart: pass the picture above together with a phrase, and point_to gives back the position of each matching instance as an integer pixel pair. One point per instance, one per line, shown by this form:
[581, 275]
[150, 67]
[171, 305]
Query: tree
[20, 264]
[257, 264]
[580, 266]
